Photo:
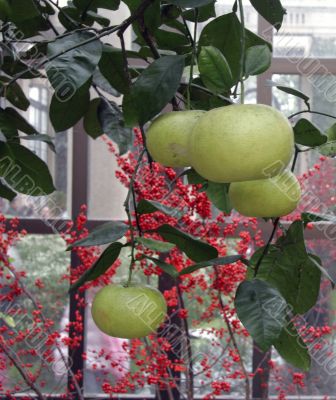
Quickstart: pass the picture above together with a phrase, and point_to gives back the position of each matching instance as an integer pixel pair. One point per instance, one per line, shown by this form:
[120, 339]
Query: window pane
[106, 193]
[319, 88]
[56, 205]
[308, 30]
[318, 175]
[33, 301]
[251, 16]
[319, 330]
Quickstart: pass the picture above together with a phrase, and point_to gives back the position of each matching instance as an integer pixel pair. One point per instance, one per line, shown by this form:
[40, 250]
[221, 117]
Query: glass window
[106, 193]
[35, 313]
[308, 30]
[56, 205]
[315, 327]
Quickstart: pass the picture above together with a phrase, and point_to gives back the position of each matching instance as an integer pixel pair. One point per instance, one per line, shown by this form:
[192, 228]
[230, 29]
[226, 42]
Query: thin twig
[22, 372]
[266, 248]
[190, 368]
[125, 61]
[205, 90]
[43, 319]
[103, 32]
[191, 40]
[137, 220]
[311, 112]
[129, 217]
[144, 142]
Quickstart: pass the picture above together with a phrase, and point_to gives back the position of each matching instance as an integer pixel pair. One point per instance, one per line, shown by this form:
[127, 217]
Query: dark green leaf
[24, 171]
[105, 233]
[318, 264]
[218, 194]
[203, 99]
[167, 268]
[16, 120]
[99, 18]
[111, 65]
[194, 178]
[7, 126]
[271, 10]
[6, 192]
[94, 4]
[204, 13]
[172, 41]
[112, 122]
[151, 206]
[102, 83]
[288, 267]
[70, 17]
[307, 134]
[14, 66]
[70, 70]
[292, 348]
[194, 248]
[328, 149]
[104, 262]
[91, 122]
[224, 33]
[258, 60]
[331, 133]
[217, 261]
[23, 10]
[41, 138]
[215, 70]
[64, 114]
[151, 16]
[14, 94]
[157, 84]
[262, 310]
[155, 245]
[190, 3]
[291, 91]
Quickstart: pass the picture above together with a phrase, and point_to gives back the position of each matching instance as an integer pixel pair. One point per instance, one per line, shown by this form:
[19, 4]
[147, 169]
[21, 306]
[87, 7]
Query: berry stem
[131, 193]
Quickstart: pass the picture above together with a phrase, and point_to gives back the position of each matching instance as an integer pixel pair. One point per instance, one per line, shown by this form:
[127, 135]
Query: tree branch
[21, 371]
[103, 32]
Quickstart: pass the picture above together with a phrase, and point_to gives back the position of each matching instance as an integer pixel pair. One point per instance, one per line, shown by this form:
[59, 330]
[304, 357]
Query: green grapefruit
[128, 312]
[168, 136]
[272, 197]
[240, 143]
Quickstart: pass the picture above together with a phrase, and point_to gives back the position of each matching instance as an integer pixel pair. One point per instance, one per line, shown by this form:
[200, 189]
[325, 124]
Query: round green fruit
[272, 197]
[128, 312]
[241, 143]
[168, 137]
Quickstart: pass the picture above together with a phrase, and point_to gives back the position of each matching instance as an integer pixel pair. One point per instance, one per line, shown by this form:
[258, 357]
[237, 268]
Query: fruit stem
[193, 56]
[242, 43]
